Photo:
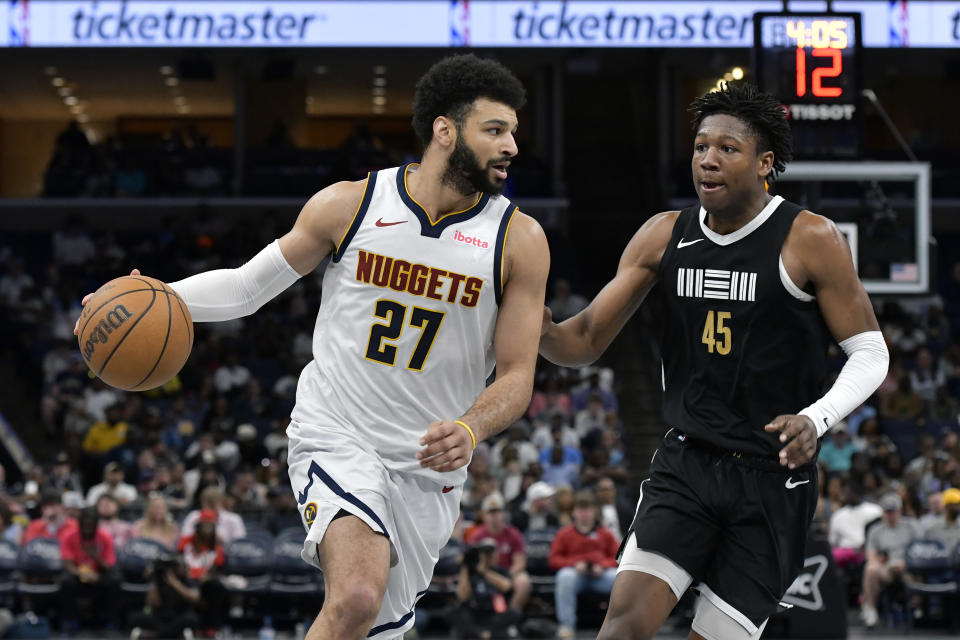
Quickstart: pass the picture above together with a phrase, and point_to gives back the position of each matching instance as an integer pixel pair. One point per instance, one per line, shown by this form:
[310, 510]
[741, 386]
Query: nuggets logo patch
[310, 513]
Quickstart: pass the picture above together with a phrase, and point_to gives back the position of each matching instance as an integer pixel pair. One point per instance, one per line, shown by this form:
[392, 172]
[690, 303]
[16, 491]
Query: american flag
[904, 272]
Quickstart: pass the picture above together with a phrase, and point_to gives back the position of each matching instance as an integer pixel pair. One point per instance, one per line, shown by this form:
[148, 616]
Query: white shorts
[331, 470]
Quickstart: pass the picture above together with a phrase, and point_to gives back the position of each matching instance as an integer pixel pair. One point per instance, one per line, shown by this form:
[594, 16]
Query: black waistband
[737, 457]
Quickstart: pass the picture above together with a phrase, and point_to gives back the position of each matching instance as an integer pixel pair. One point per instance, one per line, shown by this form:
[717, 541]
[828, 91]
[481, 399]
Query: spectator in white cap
[538, 512]
[113, 484]
[73, 504]
[511, 552]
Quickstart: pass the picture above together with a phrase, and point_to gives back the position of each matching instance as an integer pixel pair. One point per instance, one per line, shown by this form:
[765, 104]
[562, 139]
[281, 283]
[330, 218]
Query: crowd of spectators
[213, 439]
[889, 474]
[209, 447]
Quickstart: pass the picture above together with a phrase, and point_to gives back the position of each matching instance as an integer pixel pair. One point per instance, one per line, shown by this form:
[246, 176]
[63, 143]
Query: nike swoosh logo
[445, 489]
[790, 484]
[381, 223]
[682, 244]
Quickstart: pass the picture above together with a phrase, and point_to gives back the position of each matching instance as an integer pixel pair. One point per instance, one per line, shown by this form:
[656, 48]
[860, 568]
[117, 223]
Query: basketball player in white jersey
[434, 279]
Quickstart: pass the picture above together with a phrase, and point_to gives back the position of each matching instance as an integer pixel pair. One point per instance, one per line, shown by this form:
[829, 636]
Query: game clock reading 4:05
[812, 63]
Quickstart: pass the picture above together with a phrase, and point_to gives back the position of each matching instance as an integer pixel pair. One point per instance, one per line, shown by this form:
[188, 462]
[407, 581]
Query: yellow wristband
[469, 430]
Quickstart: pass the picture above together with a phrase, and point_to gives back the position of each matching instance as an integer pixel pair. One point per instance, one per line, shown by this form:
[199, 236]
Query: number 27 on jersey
[379, 347]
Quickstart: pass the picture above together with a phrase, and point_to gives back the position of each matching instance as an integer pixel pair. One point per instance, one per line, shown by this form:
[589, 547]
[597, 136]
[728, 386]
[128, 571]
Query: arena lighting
[378, 109]
[379, 81]
[50, 71]
[166, 70]
[737, 73]
[58, 82]
[171, 81]
[379, 101]
[379, 91]
[380, 70]
[64, 91]
[70, 101]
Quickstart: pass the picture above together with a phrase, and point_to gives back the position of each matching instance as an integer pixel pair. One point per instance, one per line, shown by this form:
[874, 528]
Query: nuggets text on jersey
[417, 279]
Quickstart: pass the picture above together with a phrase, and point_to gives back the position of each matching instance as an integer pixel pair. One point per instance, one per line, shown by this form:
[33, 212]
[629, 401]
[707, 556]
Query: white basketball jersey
[404, 336]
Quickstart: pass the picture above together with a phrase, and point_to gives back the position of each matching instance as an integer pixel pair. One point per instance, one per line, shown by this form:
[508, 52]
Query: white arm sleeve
[865, 369]
[225, 294]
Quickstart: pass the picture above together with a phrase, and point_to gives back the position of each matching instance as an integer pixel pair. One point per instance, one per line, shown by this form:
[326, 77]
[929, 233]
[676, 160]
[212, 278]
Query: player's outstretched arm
[816, 253]
[448, 445]
[582, 339]
[224, 294]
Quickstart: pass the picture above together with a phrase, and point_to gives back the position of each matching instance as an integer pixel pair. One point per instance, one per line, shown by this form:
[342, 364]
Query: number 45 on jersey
[716, 335]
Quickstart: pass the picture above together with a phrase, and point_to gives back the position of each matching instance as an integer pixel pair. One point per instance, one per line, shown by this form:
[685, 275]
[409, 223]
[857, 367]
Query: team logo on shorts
[310, 513]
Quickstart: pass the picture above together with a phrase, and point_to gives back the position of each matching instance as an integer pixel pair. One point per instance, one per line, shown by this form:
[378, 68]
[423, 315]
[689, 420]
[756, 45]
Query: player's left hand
[800, 435]
[447, 446]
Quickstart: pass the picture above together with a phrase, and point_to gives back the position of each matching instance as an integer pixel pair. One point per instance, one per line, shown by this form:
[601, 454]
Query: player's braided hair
[450, 87]
[763, 113]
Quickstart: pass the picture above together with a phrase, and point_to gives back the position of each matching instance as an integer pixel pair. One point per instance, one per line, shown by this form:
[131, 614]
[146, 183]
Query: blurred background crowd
[199, 464]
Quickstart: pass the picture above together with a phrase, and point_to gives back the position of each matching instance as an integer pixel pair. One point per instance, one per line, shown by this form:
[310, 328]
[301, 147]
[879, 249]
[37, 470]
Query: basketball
[135, 333]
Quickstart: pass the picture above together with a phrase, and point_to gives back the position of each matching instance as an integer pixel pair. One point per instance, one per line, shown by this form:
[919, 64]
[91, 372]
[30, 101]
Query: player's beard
[465, 174]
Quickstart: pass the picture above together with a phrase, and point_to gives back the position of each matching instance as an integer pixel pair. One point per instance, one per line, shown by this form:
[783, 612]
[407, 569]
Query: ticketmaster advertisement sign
[444, 23]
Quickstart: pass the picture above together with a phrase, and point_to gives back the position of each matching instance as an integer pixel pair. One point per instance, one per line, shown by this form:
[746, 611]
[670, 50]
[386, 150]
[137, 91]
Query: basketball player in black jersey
[753, 287]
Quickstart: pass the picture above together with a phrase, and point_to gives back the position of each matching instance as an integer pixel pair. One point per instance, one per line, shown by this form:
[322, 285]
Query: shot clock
[811, 61]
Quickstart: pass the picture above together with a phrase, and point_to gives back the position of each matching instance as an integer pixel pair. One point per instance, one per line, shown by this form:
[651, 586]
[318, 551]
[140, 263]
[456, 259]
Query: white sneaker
[135, 633]
[869, 616]
[565, 633]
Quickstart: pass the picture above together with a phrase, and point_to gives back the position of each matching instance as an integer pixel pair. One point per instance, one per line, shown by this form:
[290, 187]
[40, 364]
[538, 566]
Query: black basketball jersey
[738, 347]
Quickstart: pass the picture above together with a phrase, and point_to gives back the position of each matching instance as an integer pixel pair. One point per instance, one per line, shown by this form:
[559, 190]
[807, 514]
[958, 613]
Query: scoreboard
[812, 61]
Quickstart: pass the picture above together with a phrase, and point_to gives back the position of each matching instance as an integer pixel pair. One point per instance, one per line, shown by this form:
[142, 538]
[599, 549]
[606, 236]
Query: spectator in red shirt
[89, 560]
[52, 523]
[512, 556]
[203, 555]
[585, 556]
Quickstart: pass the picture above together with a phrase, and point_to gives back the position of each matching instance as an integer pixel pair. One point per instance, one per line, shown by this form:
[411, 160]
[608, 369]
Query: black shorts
[737, 524]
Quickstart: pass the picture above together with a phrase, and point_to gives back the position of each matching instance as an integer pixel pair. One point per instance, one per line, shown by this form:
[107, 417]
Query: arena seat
[296, 588]
[257, 530]
[251, 559]
[447, 570]
[542, 576]
[929, 572]
[39, 566]
[133, 561]
[8, 566]
[290, 574]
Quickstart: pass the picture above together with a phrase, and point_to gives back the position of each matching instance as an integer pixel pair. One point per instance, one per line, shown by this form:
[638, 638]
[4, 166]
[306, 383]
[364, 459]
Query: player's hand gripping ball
[135, 332]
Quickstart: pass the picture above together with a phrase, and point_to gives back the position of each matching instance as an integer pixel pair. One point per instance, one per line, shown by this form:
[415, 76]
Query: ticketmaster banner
[444, 23]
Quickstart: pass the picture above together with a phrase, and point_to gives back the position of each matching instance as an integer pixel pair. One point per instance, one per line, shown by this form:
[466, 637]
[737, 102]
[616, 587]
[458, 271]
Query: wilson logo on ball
[99, 334]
